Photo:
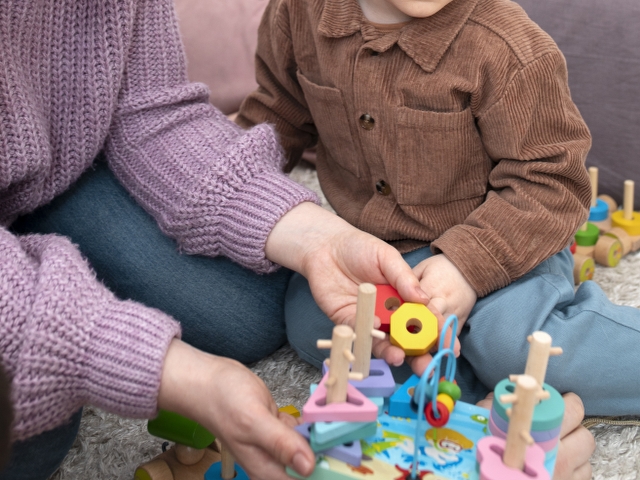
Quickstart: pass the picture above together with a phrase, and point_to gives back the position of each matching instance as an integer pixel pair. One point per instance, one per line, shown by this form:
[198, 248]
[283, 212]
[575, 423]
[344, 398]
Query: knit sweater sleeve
[216, 189]
[66, 341]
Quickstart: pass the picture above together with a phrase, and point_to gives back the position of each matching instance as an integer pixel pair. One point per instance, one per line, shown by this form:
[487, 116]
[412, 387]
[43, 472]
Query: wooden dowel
[593, 176]
[227, 463]
[520, 422]
[628, 199]
[365, 315]
[538, 359]
[341, 340]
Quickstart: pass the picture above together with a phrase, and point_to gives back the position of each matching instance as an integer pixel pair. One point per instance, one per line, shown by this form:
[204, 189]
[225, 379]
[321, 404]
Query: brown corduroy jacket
[457, 130]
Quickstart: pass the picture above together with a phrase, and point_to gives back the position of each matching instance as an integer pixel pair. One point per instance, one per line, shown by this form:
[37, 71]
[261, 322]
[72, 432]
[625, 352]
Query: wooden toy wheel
[613, 205]
[608, 251]
[583, 269]
[623, 237]
[156, 469]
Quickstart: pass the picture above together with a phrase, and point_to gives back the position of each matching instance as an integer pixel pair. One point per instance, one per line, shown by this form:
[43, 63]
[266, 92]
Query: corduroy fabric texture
[465, 116]
[77, 78]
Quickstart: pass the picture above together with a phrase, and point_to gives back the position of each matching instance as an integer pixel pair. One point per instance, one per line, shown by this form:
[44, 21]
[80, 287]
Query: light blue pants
[601, 340]
[224, 308]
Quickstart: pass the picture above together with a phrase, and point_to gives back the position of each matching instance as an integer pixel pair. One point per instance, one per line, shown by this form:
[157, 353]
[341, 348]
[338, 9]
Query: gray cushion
[601, 42]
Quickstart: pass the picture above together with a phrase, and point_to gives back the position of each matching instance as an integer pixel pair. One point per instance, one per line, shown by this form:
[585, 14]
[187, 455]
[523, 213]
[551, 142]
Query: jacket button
[383, 187]
[366, 121]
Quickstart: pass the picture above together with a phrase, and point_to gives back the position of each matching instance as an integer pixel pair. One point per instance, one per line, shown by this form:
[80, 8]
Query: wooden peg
[188, 455]
[593, 176]
[511, 397]
[341, 341]
[539, 351]
[379, 334]
[228, 463]
[520, 421]
[365, 315]
[628, 199]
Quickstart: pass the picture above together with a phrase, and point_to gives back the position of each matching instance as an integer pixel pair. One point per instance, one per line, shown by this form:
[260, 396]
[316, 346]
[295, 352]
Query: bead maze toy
[422, 430]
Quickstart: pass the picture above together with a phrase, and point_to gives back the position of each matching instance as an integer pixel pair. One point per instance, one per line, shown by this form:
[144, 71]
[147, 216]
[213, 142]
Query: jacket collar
[424, 40]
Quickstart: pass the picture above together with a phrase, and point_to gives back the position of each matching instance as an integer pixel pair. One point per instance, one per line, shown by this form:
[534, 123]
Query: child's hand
[576, 442]
[449, 291]
[235, 405]
[335, 258]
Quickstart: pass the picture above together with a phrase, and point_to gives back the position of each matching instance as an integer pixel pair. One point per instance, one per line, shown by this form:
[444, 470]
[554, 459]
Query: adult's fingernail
[301, 464]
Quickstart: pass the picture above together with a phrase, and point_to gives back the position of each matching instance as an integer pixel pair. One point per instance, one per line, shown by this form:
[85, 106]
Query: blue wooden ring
[599, 212]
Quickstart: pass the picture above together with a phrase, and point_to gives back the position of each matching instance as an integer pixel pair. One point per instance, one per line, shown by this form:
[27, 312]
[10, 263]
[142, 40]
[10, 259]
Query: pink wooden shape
[357, 408]
[489, 456]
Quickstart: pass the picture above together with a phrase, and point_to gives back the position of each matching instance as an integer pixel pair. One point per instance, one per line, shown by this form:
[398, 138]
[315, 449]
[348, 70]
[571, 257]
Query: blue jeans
[38, 458]
[224, 309]
[600, 339]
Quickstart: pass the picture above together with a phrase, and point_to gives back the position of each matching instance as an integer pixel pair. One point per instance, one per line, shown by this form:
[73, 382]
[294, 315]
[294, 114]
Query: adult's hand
[335, 258]
[235, 405]
[576, 442]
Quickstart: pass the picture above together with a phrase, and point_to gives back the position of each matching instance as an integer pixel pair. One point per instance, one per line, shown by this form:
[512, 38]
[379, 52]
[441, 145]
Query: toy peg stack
[517, 457]
[542, 423]
[628, 220]
[608, 235]
[338, 364]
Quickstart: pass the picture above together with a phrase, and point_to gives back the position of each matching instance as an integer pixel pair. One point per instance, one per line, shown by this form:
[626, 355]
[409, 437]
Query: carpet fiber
[110, 448]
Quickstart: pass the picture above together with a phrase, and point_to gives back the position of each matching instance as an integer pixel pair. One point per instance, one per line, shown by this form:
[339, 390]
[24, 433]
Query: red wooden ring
[442, 411]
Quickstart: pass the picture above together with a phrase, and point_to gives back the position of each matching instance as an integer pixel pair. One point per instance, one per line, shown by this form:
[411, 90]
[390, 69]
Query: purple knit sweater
[75, 78]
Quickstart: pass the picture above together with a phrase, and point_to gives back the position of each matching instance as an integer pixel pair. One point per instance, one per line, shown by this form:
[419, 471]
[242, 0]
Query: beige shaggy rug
[110, 448]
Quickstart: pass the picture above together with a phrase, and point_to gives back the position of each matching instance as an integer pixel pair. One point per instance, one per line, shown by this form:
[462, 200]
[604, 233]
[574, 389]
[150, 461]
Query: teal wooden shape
[547, 415]
[326, 431]
[364, 431]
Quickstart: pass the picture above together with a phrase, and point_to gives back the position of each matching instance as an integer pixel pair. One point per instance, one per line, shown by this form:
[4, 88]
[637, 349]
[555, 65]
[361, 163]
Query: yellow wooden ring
[632, 227]
[446, 400]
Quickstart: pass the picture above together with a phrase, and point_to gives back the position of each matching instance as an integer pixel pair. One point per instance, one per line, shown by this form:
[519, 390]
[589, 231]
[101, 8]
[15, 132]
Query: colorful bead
[446, 400]
[450, 389]
[442, 412]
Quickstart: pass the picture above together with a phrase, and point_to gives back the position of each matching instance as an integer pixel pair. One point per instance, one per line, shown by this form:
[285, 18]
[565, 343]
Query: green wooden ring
[588, 237]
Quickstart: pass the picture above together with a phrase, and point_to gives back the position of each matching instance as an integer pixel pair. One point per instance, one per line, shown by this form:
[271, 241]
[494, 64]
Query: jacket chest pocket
[329, 114]
[440, 157]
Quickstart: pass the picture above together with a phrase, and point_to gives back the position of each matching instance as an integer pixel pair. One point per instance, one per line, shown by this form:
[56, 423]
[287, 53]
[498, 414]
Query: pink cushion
[220, 39]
